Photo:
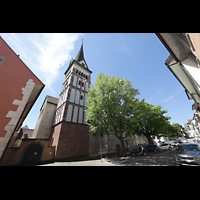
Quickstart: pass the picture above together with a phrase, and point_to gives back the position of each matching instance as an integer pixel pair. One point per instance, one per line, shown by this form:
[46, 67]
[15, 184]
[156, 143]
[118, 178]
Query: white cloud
[170, 97]
[44, 53]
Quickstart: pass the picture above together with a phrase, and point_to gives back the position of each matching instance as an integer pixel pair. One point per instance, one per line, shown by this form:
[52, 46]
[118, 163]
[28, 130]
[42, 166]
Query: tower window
[81, 98]
[69, 94]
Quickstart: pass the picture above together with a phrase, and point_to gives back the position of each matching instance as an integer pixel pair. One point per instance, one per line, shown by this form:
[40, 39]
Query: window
[72, 79]
[69, 94]
[81, 98]
[81, 74]
[2, 59]
[82, 84]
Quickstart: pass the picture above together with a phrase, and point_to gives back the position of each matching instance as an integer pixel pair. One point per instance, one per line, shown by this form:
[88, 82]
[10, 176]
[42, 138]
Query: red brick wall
[13, 155]
[73, 141]
[14, 75]
[55, 136]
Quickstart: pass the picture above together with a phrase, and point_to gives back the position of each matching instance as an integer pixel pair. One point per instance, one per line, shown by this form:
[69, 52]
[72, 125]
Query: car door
[164, 146]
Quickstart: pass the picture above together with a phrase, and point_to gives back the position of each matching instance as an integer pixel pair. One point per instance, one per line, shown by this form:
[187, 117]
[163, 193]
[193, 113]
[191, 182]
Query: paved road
[98, 162]
[161, 158]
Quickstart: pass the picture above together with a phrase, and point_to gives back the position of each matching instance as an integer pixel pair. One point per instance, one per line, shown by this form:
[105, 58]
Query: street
[161, 158]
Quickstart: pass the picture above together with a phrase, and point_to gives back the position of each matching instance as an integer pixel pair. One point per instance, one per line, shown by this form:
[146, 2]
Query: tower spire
[80, 55]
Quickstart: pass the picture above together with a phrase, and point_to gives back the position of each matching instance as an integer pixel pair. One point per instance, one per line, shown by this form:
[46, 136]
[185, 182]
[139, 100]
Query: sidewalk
[111, 161]
[98, 162]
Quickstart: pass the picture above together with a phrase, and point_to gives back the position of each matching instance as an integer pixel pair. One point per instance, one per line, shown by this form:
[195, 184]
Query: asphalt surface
[161, 158]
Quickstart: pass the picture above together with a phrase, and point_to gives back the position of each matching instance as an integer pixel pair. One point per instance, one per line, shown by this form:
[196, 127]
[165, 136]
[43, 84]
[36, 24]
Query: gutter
[167, 47]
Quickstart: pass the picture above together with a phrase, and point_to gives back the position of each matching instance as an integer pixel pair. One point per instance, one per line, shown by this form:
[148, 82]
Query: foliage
[173, 131]
[151, 121]
[112, 106]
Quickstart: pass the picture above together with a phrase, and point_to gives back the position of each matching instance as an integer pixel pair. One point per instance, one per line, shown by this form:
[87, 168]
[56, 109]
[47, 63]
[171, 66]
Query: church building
[61, 131]
[70, 131]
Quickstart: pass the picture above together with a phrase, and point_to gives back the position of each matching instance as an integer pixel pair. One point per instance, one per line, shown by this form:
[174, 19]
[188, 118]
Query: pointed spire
[80, 55]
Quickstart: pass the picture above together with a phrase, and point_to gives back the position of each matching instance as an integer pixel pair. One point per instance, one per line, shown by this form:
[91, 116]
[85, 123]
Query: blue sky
[136, 56]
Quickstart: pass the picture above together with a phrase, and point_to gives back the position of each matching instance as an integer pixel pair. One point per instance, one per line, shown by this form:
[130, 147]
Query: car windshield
[190, 148]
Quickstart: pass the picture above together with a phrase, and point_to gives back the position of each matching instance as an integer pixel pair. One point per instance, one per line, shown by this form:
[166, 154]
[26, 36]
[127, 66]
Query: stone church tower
[70, 132]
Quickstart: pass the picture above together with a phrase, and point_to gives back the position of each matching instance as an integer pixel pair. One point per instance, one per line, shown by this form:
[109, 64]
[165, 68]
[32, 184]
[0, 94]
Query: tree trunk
[121, 139]
[150, 139]
[124, 152]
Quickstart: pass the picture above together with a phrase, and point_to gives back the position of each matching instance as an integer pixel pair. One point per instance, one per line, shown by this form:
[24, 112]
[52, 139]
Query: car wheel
[179, 164]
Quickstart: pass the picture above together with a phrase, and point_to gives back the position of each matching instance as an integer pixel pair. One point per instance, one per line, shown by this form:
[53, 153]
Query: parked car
[152, 147]
[188, 154]
[172, 141]
[196, 141]
[186, 136]
[165, 146]
[184, 140]
[137, 150]
[175, 144]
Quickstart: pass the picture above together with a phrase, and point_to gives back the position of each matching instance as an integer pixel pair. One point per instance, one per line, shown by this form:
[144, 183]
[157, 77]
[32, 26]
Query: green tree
[173, 131]
[151, 121]
[112, 107]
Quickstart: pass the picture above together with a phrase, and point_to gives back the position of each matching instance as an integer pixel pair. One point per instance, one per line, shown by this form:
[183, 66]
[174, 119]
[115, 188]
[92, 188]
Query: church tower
[70, 130]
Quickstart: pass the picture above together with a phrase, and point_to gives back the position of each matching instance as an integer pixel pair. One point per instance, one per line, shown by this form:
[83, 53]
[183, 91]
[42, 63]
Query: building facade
[184, 63]
[45, 120]
[61, 131]
[70, 131]
[18, 93]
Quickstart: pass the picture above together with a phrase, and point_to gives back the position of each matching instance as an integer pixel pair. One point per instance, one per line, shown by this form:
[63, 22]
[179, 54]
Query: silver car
[188, 154]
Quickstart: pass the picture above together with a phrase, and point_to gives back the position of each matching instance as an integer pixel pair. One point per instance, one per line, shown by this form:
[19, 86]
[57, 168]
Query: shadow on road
[162, 158]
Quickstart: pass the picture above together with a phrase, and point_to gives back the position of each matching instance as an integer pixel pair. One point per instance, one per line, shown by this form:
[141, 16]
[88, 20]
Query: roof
[50, 99]
[80, 55]
[79, 60]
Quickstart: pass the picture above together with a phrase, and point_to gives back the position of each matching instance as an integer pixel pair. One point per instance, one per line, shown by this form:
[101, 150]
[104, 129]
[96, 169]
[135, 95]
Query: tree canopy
[112, 108]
